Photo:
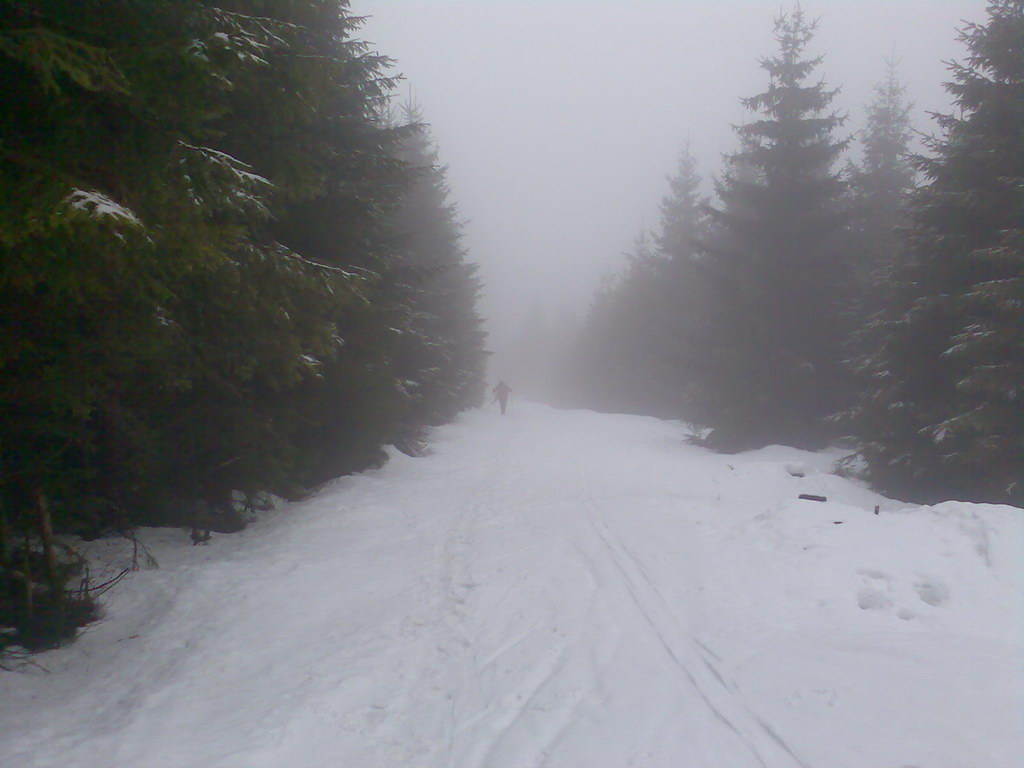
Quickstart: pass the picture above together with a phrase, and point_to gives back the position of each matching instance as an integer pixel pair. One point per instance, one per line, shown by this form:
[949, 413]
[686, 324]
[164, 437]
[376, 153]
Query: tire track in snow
[638, 582]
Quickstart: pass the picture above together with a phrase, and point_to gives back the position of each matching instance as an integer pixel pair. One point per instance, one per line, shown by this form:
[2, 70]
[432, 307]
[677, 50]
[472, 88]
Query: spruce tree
[774, 267]
[879, 186]
[942, 416]
[618, 366]
[306, 392]
[117, 200]
[635, 349]
[683, 212]
[192, 270]
[442, 357]
[111, 199]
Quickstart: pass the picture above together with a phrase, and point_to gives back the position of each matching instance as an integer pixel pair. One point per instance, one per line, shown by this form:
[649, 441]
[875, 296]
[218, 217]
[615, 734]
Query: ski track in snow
[560, 589]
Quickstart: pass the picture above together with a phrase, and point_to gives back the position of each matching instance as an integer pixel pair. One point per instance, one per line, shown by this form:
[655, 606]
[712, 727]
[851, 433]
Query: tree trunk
[6, 550]
[45, 524]
[26, 558]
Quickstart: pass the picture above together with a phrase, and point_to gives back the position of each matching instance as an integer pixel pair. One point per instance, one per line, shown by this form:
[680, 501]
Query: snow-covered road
[560, 589]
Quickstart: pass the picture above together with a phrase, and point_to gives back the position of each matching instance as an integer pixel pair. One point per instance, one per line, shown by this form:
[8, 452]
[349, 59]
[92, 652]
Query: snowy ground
[555, 589]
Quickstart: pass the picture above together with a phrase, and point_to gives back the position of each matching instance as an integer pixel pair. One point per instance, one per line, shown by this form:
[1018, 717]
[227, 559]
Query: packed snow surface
[554, 589]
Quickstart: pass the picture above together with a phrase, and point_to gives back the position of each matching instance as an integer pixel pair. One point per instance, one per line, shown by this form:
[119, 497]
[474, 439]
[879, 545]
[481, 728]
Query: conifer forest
[233, 269]
[816, 298]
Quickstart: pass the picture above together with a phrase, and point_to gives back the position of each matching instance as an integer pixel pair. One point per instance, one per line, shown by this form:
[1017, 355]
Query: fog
[560, 119]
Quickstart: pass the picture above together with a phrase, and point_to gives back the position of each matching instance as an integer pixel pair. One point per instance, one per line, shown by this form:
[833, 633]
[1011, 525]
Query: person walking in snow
[501, 393]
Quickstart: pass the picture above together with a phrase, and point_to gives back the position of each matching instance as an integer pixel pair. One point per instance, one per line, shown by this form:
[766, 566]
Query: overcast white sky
[559, 119]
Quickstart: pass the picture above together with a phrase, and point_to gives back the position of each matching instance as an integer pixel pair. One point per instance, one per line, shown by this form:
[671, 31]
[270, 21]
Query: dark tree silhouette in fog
[943, 413]
[879, 186]
[635, 349]
[774, 267]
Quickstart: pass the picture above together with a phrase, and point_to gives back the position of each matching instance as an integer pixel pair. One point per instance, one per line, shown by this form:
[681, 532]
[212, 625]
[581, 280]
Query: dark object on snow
[411, 445]
[812, 497]
[876, 509]
[200, 536]
[837, 522]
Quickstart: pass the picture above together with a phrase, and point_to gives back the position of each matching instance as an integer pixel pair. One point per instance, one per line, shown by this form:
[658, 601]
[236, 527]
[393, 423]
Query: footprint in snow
[870, 598]
[932, 592]
[873, 596]
[879, 575]
[878, 584]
